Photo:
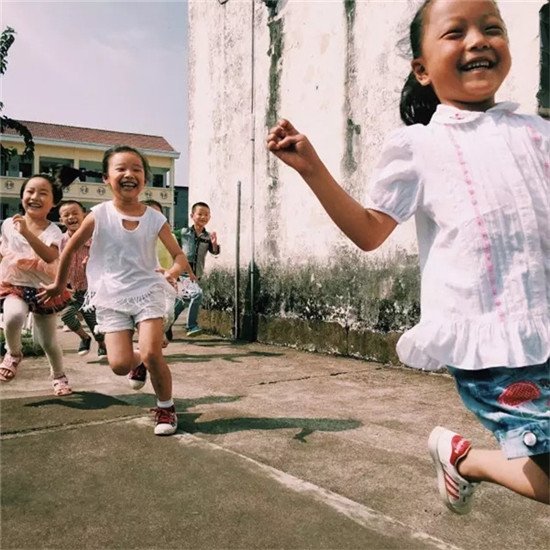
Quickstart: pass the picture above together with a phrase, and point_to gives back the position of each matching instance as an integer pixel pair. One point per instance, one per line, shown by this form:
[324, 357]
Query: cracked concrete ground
[276, 448]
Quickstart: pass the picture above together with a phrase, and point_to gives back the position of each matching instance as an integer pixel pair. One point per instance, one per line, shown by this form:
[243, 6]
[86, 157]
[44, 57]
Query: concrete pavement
[276, 449]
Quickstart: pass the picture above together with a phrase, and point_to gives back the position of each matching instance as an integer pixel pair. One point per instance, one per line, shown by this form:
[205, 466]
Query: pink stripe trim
[488, 254]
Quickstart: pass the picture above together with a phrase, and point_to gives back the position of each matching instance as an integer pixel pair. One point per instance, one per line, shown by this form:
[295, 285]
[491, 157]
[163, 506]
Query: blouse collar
[446, 114]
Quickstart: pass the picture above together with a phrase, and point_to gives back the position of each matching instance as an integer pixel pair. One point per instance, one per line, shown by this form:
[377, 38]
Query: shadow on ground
[91, 406]
[230, 357]
[188, 421]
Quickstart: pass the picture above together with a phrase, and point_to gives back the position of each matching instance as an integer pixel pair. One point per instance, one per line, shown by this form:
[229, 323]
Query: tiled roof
[74, 134]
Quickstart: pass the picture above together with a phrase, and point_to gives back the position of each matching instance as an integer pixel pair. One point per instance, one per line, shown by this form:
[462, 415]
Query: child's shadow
[187, 421]
[83, 400]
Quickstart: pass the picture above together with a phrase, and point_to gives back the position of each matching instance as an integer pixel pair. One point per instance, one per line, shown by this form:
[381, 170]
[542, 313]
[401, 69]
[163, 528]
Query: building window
[91, 166]
[47, 165]
[543, 95]
[160, 178]
[17, 167]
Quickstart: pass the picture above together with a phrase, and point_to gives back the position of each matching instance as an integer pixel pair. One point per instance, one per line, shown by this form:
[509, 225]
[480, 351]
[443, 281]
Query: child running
[29, 252]
[476, 176]
[123, 284]
[195, 241]
[71, 215]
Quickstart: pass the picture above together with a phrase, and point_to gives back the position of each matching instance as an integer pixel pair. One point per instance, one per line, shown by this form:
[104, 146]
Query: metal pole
[237, 309]
[252, 172]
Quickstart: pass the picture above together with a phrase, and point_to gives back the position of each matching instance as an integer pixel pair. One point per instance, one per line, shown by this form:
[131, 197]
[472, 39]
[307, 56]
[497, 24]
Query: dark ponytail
[418, 103]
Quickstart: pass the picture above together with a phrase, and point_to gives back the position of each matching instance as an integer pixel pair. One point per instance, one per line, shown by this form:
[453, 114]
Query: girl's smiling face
[126, 175]
[37, 198]
[465, 53]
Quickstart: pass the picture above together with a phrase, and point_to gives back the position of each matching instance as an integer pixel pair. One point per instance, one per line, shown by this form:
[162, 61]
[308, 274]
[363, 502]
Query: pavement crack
[310, 377]
[64, 427]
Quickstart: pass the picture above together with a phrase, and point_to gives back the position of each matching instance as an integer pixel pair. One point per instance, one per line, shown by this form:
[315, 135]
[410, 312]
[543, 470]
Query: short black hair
[153, 202]
[126, 149]
[197, 204]
[72, 201]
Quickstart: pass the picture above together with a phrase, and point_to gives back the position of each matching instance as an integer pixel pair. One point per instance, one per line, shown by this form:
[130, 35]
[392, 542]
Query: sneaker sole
[165, 429]
[136, 384]
[83, 353]
[441, 485]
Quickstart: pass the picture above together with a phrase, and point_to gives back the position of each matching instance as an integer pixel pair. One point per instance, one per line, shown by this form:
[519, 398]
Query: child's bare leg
[151, 332]
[525, 476]
[120, 352]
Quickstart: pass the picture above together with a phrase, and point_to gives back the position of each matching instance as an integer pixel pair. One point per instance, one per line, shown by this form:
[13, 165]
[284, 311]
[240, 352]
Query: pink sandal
[61, 386]
[10, 364]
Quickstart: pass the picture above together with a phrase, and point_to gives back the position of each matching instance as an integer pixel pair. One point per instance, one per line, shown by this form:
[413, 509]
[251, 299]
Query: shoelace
[139, 373]
[163, 416]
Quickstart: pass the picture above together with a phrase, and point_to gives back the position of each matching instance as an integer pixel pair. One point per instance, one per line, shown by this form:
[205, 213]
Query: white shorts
[111, 320]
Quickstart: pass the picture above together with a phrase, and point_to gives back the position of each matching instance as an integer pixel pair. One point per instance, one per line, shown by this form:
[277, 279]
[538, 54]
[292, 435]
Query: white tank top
[121, 267]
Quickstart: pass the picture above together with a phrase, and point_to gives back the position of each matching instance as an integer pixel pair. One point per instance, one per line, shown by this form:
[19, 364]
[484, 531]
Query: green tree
[7, 38]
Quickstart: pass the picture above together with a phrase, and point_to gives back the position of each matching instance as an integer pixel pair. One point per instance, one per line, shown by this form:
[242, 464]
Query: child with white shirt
[29, 253]
[476, 177]
[124, 284]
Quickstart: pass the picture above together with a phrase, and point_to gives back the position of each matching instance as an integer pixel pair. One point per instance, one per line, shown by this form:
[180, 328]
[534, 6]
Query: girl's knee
[122, 368]
[153, 360]
[14, 321]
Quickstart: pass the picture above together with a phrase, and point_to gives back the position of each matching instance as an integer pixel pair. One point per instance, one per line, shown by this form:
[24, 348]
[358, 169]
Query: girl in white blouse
[476, 177]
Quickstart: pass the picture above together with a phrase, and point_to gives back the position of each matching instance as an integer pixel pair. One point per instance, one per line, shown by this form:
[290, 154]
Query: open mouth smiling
[128, 185]
[477, 64]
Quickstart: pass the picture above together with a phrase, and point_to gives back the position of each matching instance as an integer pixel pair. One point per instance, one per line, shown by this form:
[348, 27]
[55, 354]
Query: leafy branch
[7, 38]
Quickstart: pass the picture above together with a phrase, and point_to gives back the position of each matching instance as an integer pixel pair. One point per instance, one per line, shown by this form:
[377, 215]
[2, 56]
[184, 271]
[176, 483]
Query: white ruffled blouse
[478, 185]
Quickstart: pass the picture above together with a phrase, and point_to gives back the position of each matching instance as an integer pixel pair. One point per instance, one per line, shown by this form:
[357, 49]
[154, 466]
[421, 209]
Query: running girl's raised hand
[293, 148]
[20, 224]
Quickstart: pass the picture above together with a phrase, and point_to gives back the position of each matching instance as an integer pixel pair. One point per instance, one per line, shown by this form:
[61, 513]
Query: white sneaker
[447, 448]
[166, 420]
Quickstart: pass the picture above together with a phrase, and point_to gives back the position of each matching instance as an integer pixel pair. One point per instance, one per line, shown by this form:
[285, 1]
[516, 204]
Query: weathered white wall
[332, 68]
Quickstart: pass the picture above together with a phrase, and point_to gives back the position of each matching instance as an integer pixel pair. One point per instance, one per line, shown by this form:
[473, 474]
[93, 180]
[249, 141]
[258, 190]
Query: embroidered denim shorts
[514, 403]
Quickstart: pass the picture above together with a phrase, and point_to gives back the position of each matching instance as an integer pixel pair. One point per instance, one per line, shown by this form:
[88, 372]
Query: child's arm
[180, 259]
[367, 228]
[48, 253]
[84, 233]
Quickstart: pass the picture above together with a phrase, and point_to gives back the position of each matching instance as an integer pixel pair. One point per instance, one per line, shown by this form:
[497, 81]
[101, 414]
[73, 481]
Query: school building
[82, 149]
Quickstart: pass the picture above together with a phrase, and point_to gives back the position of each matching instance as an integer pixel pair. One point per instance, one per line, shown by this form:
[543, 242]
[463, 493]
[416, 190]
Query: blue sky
[112, 65]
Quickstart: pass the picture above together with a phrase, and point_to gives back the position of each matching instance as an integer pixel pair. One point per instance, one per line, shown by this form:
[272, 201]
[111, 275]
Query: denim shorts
[514, 403]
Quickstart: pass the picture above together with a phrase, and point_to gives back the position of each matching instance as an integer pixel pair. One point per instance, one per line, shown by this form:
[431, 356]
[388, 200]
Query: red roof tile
[60, 132]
